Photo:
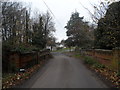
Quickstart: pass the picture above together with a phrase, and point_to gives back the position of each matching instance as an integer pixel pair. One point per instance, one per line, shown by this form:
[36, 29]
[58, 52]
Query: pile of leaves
[18, 78]
[109, 75]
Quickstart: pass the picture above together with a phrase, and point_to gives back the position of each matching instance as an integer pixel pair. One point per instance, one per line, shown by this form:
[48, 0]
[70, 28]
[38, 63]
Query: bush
[77, 55]
[8, 46]
[23, 48]
[58, 48]
[91, 61]
[98, 65]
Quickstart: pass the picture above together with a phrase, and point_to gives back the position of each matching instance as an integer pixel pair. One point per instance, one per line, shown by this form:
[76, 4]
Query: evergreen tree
[107, 34]
[78, 32]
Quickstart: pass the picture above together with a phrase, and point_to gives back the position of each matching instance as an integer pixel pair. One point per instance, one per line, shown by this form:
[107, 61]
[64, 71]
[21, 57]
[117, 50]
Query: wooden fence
[110, 58]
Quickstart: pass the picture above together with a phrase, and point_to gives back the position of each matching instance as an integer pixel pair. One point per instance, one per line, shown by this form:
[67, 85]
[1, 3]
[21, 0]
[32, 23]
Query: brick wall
[110, 58]
[24, 60]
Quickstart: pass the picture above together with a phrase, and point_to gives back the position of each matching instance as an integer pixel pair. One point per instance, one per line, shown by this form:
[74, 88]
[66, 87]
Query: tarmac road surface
[64, 72]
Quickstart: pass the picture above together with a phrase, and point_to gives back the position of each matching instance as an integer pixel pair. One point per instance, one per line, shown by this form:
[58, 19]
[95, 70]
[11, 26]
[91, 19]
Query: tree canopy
[107, 34]
[20, 30]
[78, 32]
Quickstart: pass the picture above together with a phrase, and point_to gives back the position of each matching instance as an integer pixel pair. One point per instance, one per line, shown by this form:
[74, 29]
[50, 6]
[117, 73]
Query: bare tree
[99, 9]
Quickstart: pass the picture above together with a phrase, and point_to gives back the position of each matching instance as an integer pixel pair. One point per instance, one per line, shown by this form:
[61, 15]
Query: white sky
[62, 9]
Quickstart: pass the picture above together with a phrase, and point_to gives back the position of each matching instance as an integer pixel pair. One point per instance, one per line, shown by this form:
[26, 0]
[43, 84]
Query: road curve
[64, 72]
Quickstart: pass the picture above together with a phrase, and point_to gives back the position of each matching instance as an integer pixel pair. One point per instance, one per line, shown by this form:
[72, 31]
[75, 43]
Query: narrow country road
[64, 72]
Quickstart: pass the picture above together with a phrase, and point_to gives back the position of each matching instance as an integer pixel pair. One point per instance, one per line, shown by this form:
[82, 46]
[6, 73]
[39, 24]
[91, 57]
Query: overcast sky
[62, 10]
